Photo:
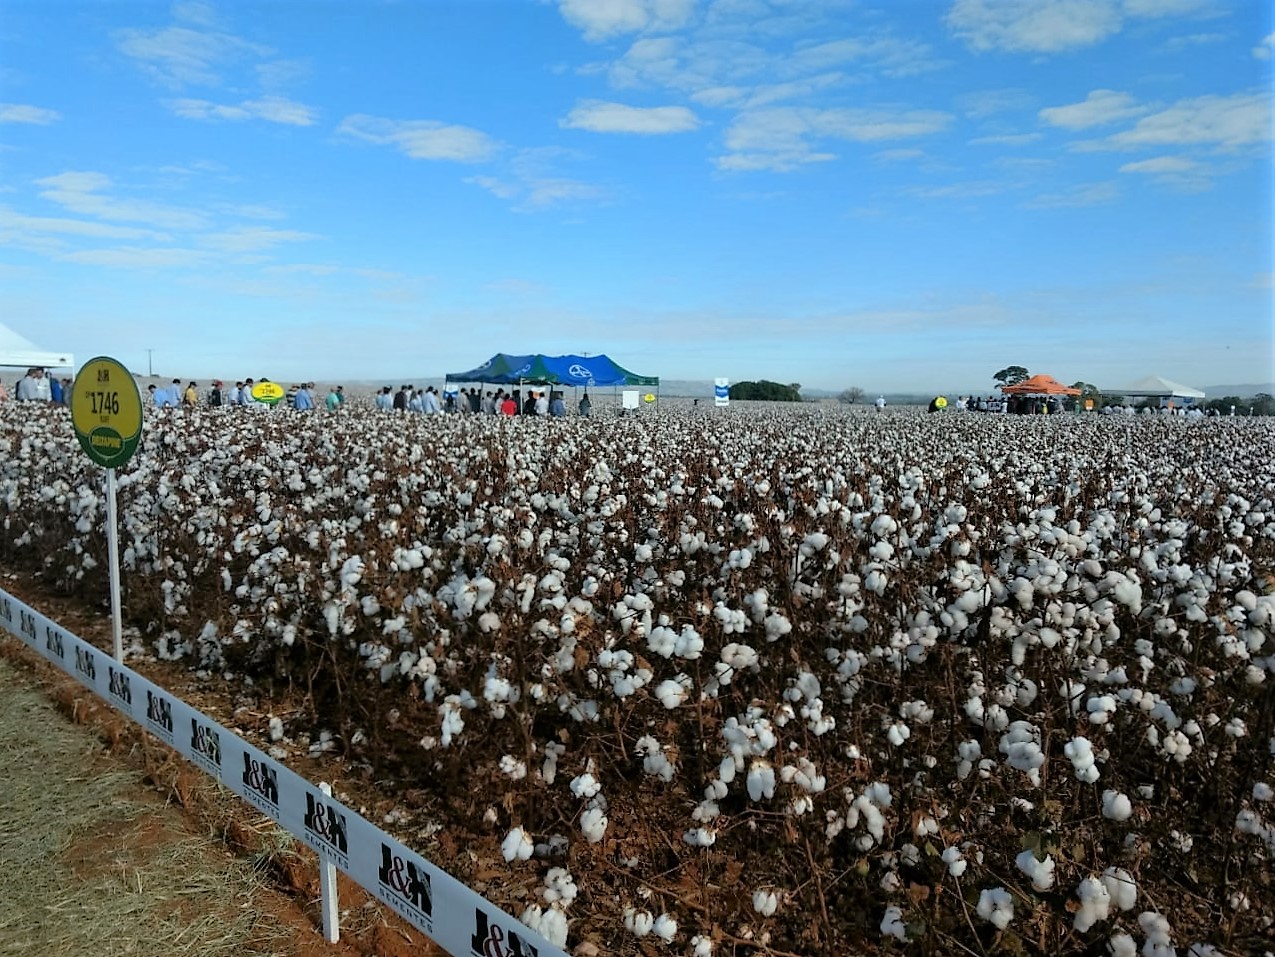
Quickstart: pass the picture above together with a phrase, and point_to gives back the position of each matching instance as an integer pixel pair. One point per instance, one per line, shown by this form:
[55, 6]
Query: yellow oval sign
[649, 397]
[106, 411]
[941, 402]
[270, 392]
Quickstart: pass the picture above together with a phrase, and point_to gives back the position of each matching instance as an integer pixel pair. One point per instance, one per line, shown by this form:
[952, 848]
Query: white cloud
[1160, 165]
[601, 19]
[273, 109]
[136, 257]
[422, 139]
[969, 190]
[1035, 26]
[246, 239]
[83, 193]
[1099, 107]
[984, 103]
[1224, 122]
[11, 222]
[1263, 50]
[1152, 9]
[1006, 139]
[1174, 172]
[1083, 194]
[779, 139]
[21, 113]
[533, 181]
[601, 117]
[891, 56]
[177, 56]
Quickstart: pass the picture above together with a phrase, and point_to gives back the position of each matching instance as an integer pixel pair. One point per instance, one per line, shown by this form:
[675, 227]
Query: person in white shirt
[542, 403]
[34, 387]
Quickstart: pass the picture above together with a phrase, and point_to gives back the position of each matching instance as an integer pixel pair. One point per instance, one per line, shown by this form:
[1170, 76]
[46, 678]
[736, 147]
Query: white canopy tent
[1158, 387]
[18, 352]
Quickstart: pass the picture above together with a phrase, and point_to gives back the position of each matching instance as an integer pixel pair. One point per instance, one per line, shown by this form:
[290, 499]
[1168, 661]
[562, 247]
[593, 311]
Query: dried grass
[82, 872]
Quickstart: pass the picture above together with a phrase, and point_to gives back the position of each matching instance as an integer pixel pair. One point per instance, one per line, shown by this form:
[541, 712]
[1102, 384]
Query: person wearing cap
[214, 394]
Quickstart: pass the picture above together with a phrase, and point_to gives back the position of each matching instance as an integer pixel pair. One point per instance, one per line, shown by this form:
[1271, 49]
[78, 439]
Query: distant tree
[765, 391]
[851, 395]
[1087, 389]
[1263, 404]
[1224, 404]
[1011, 375]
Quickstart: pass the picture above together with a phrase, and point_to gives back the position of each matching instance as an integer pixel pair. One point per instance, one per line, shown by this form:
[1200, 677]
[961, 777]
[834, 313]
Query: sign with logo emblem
[405, 883]
[269, 393]
[106, 412]
[327, 828]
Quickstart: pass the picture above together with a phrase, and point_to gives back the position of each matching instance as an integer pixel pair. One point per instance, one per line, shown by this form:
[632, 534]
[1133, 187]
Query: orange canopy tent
[1039, 385]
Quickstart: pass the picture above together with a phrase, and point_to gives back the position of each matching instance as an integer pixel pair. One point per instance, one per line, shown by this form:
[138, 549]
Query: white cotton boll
[1121, 944]
[560, 887]
[671, 693]
[701, 946]
[585, 786]
[1263, 792]
[1041, 872]
[665, 928]
[1080, 751]
[777, 626]
[1116, 806]
[1121, 887]
[761, 781]
[1159, 942]
[517, 846]
[662, 641]
[956, 863]
[765, 902]
[276, 729]
[550, 923]
[511, 766]
[638, 922]
[996, 906]
[892, 924]
[700, 837]
[593, 824]
[898, 733]
[1095, 904]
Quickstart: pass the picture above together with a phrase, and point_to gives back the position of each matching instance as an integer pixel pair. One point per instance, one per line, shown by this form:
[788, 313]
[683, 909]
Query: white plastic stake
[327, 886]
[113, 562]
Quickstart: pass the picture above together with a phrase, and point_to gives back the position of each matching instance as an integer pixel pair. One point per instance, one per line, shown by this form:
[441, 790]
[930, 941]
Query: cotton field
[778, 681]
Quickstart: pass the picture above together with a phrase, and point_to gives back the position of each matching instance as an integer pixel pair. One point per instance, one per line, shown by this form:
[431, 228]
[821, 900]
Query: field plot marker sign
[106, 413]
[721, 391]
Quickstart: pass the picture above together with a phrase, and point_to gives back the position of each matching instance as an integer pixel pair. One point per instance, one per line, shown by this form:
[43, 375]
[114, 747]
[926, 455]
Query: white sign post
[327, 887]
[106, 413]
[721, 391]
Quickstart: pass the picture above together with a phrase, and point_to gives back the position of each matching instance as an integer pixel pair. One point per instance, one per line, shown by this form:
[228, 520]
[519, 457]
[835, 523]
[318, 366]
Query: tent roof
[570, 370]
[1040, 385]
[18, 352]
[1154, 385]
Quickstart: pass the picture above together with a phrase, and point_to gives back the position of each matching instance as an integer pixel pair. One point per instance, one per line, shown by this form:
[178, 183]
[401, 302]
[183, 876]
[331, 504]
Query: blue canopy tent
[575, 371]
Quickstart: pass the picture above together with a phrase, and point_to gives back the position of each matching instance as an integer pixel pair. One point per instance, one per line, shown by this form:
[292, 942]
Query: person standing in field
[302, 401]
[191, 396]
[34, 387]
[585, 405]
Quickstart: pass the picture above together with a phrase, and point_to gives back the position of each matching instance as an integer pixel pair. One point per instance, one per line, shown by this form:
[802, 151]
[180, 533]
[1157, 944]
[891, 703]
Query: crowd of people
[39, 386]
[301, 396]
[475, 401]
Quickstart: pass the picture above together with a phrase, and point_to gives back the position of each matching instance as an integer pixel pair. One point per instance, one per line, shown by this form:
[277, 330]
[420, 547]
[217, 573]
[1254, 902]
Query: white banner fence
[445, 910]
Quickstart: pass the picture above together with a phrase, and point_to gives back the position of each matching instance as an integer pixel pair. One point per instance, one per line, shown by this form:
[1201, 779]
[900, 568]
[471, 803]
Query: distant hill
[1243, 391]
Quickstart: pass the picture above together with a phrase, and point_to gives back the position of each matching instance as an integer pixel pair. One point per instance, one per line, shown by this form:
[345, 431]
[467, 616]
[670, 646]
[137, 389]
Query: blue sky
[896, 195]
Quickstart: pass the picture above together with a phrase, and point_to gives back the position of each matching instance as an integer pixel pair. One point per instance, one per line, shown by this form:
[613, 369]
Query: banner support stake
[327, 886]
[113, 548]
